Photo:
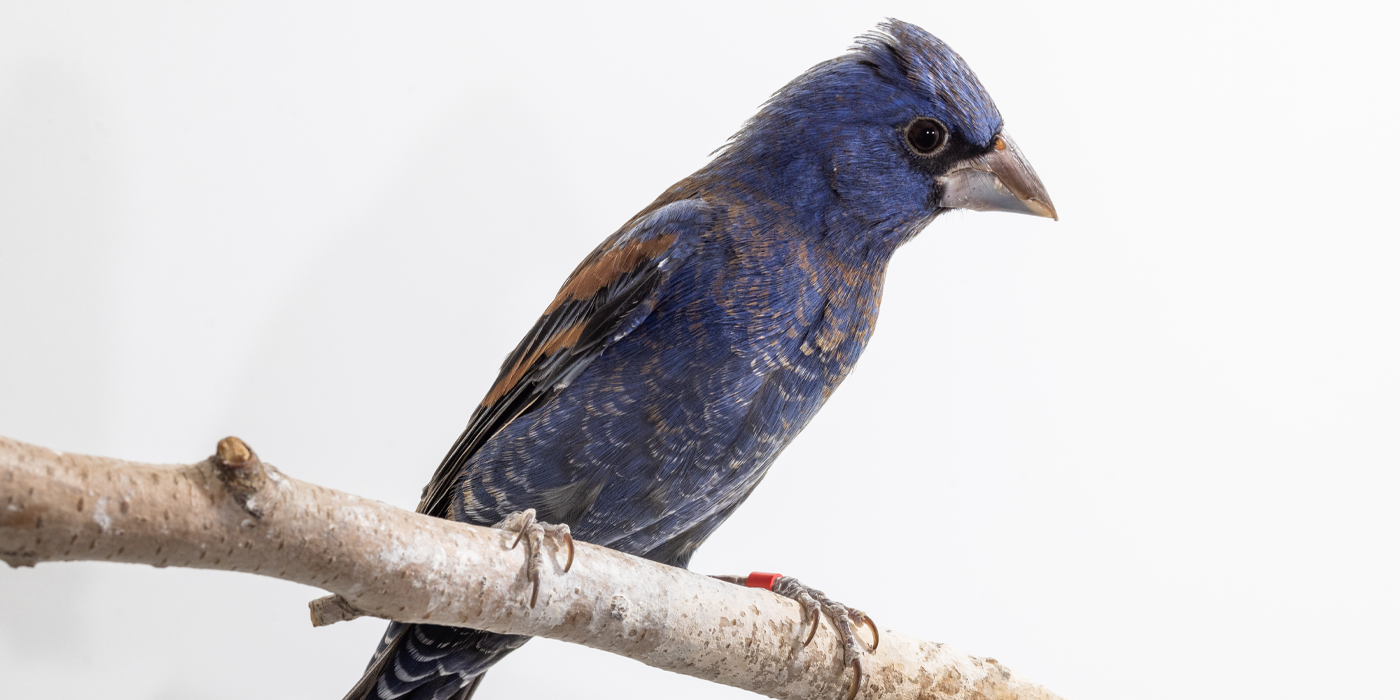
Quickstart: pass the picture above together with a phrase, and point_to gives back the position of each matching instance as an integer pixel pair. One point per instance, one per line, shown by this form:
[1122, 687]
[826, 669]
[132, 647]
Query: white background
[1149, 451]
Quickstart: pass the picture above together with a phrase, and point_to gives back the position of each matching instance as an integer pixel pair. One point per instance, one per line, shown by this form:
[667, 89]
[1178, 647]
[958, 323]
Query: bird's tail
[431, 662]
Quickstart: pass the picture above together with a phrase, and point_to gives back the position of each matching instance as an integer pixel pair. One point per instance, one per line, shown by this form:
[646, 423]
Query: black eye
[925, 135]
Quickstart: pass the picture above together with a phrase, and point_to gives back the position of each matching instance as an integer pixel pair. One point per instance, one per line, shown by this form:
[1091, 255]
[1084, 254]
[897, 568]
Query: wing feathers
[609, 295]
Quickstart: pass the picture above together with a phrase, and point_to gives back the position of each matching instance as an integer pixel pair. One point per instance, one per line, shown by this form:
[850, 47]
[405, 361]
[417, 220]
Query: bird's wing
[610, 293]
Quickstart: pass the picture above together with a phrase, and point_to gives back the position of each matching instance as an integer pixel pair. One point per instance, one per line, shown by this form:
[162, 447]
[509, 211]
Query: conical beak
[1001, 180]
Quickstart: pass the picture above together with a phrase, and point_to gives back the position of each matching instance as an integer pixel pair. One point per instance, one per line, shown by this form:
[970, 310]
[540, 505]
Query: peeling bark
[234, 512]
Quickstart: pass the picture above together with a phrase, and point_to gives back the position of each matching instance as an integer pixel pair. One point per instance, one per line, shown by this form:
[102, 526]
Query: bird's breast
[802, 310]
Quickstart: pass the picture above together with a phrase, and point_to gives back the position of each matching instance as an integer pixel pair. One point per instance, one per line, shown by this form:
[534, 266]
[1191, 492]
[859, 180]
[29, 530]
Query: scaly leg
[533, 532]
[814, 602]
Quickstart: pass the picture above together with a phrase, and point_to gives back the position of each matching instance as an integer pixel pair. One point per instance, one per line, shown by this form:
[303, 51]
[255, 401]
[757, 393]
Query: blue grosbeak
[693, 345]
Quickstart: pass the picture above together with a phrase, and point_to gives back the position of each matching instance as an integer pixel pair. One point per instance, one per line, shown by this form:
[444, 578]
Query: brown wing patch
[562, 339]
[594, 275]
[606, 297]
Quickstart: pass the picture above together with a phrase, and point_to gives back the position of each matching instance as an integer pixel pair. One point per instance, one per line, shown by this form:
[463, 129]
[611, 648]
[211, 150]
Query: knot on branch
[332, 609]
[241, 471]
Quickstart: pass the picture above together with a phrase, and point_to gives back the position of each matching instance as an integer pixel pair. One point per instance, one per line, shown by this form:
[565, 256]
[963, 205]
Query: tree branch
[234, 513]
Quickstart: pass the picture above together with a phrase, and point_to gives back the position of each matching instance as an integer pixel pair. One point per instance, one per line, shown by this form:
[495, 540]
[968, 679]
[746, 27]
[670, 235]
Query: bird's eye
[925, 135]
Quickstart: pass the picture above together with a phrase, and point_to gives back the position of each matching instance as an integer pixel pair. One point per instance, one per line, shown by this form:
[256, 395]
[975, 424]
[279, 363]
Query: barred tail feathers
[431, 662]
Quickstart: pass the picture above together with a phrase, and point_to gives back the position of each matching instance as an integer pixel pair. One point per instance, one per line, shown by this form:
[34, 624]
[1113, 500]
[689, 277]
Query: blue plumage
[692, 346]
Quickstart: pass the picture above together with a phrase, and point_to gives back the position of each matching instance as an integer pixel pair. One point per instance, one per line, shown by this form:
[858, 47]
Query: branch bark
[233, 512]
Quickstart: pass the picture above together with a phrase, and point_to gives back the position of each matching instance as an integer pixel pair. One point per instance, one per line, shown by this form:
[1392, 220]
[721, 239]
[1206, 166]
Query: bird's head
[896, 131]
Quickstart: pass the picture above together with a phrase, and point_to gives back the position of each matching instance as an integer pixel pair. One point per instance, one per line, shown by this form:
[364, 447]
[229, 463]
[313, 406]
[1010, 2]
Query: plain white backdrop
[1149, 451]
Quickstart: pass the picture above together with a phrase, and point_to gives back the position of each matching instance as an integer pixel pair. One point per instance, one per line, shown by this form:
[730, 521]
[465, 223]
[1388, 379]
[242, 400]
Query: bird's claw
[532, 532]
[858, 680]
[845, 619]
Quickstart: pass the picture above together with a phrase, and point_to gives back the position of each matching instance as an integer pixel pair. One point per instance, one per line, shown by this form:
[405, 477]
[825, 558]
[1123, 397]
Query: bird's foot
[846, 619]
[532, 532]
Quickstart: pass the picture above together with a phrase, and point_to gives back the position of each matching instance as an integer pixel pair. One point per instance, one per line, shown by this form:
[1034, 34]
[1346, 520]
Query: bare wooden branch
[236, 513]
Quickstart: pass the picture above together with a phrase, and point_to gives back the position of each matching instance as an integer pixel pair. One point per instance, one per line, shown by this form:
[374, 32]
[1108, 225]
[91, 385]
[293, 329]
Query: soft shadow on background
[1147, 451]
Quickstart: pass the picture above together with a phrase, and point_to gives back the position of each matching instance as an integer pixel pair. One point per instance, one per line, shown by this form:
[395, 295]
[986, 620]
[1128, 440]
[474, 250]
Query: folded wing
[610, 293]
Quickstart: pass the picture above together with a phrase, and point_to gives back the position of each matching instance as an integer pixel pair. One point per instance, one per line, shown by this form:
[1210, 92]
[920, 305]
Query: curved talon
[874, 631]
[533, 533]
[569, 540]
[844, 621]
[855, 682]
[816, 622]
[526, 517]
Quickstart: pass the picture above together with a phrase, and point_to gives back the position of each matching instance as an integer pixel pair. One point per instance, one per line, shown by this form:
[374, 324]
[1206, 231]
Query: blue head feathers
[925, 66]
[860, 144]
[892, 74]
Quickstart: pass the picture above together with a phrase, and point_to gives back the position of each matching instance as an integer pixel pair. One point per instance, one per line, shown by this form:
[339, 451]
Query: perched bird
[686, 351]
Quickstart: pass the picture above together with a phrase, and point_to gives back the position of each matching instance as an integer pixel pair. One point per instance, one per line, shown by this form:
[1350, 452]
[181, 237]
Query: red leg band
[759, 579]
